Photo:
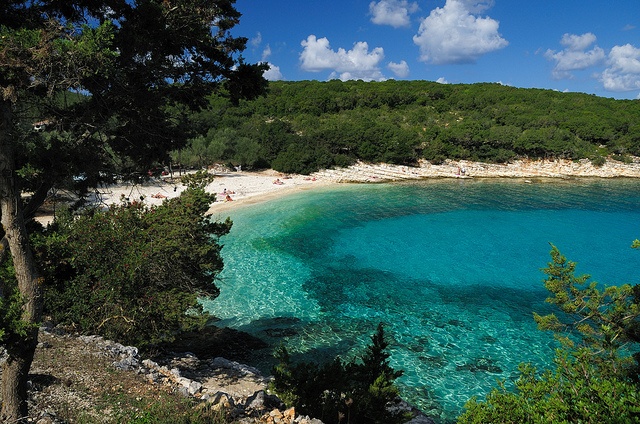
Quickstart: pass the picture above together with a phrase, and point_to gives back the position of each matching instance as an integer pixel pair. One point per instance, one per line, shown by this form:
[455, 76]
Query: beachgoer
[228, 198]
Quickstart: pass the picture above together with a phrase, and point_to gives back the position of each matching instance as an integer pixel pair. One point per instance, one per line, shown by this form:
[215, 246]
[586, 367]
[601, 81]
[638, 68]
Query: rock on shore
[557, 168]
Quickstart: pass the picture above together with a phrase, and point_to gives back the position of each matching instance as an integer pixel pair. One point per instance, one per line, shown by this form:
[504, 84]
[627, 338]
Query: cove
[451, 267]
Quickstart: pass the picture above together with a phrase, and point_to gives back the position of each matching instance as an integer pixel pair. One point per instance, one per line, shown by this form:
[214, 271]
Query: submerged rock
[435, 361]
[280, 332]
[481, 364]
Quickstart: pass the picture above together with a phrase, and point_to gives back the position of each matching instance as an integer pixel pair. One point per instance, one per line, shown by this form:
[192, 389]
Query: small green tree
[599, 322]
[595, 379]
[134, 273]
[337, 392]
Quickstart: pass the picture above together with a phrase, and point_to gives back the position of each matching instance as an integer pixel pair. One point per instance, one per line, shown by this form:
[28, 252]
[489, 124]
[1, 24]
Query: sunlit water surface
[452, 268]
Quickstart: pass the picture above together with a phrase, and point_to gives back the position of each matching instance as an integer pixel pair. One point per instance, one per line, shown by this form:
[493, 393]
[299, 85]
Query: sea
[452, 268]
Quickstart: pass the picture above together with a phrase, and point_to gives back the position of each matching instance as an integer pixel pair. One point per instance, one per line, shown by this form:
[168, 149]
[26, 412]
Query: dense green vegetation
[596, 375]
[137, 69]
[133, 273]
[336, 392]
[306, 125]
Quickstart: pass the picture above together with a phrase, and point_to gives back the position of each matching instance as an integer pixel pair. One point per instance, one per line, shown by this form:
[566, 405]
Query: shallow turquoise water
[451, 267]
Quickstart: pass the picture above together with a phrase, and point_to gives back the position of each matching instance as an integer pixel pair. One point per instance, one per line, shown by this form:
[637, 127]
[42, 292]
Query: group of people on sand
[227, 195]
[277, 181]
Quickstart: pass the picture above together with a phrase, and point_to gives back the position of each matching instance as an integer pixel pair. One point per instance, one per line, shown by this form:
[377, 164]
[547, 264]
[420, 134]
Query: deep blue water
[453, 269]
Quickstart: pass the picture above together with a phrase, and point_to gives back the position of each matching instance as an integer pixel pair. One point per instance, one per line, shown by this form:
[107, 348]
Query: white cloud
[625, 59]
[255, 41]
[575, 56]
[399, 69]
[578, 42]
[392, 12]
[442, 80]
[357, 63]
[266, 53]
[452, 34]
[623, 71]
[273, 73]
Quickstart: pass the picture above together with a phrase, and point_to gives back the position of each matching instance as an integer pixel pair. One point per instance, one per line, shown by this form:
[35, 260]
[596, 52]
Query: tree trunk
[15, 370]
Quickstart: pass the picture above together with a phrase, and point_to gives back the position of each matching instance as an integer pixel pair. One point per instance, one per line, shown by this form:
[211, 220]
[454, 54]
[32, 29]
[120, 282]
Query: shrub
[335, 392]
[134, 273]
[595, 379]
[576, 392]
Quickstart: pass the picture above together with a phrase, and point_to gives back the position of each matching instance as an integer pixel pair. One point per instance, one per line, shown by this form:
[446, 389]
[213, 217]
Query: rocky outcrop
[217, 383]
[523, 168]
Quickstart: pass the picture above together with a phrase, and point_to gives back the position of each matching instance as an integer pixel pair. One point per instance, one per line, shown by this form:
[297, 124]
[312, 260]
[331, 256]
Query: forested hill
[306, 125]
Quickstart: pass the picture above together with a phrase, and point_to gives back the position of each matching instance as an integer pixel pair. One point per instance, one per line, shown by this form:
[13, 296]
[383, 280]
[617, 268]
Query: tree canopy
[91, 91]
[303, 126]
[113, 80]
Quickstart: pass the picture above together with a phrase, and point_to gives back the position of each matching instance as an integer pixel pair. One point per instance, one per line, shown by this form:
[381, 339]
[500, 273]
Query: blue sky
[590, 46]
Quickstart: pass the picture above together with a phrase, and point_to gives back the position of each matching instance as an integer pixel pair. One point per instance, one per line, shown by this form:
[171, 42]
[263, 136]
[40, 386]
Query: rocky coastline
[215, 383]
[233, 188]
[522, 168]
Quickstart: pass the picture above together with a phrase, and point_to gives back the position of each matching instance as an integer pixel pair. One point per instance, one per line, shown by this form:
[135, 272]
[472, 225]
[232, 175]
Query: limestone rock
[260, 401]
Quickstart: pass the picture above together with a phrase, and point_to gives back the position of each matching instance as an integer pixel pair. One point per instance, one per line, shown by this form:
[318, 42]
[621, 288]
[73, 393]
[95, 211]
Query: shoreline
[258, 187]
[248, 188]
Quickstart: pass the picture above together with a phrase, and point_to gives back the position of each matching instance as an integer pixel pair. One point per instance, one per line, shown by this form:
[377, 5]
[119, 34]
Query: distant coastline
[523, 168]
[254, 187]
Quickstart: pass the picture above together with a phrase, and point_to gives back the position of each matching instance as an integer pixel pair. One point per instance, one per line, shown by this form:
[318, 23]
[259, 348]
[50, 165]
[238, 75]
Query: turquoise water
[451, 267]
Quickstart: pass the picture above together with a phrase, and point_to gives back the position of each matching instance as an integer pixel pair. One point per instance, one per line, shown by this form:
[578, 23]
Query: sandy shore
[252, 187]
[257, 187]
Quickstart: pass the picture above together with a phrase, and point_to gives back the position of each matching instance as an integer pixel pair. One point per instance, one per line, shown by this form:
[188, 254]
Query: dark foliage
[339, 392]
[133, 273]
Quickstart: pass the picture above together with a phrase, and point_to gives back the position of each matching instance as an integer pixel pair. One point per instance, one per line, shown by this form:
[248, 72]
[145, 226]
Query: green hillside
[306, 125]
